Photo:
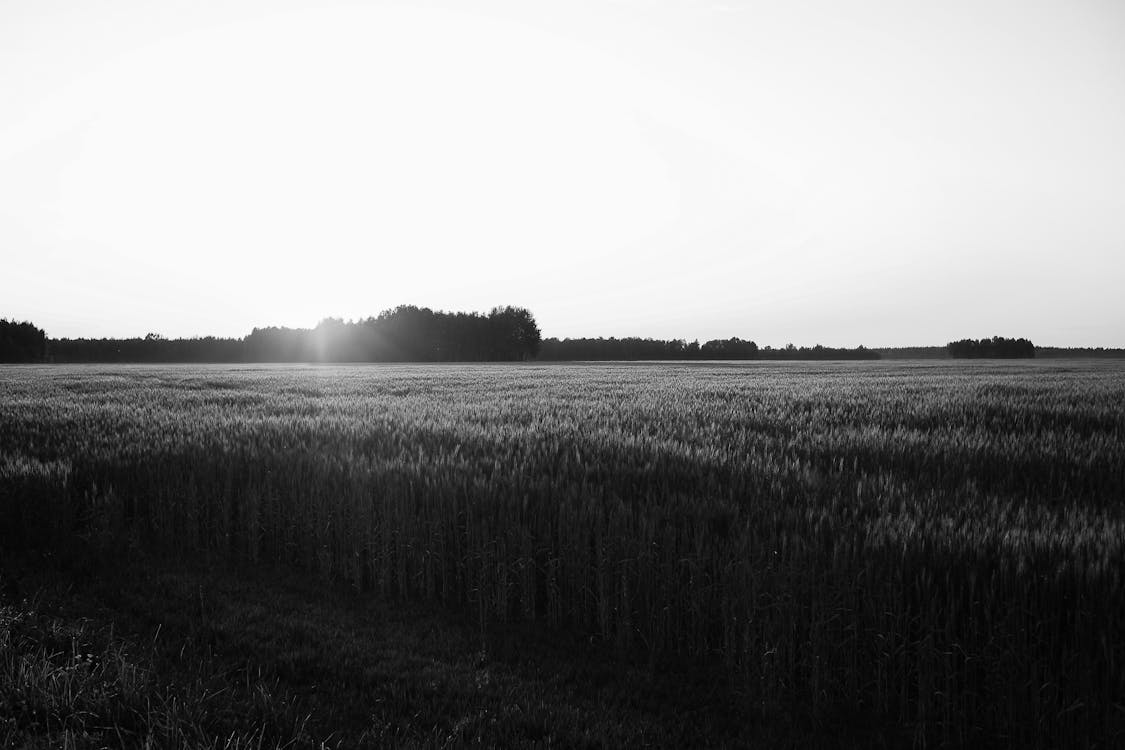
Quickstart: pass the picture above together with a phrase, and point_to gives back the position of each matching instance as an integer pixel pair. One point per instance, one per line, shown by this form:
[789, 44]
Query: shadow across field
[195, 656]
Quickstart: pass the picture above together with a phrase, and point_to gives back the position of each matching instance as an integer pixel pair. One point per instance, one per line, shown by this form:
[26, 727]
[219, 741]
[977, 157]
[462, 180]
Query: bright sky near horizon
[818, 171]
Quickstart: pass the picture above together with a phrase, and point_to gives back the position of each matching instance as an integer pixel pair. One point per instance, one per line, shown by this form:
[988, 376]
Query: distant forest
[419, 334]
[1085, 352]
[675, 349]
[1039, 352]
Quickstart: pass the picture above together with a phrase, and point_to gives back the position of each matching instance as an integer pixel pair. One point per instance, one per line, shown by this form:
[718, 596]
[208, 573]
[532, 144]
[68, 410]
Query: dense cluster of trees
[404, 334]
[21, 342]
[996, 347]
[733, 348]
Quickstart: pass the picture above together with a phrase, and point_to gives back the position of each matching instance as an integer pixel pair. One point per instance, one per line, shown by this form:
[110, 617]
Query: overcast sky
[884, 173]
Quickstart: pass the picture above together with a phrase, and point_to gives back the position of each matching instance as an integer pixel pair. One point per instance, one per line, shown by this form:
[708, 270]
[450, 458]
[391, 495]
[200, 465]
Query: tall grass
[940, 547]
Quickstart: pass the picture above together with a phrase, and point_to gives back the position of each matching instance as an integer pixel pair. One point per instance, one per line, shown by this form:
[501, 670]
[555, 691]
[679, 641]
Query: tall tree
[21, 342]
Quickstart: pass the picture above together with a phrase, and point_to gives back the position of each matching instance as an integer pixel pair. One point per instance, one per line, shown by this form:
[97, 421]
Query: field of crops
[938, 546]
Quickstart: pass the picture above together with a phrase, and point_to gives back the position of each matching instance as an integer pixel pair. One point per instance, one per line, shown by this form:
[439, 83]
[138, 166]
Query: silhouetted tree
[404, 334]
[996, 347]
[21, 342]
[514, 333]
[733, 348]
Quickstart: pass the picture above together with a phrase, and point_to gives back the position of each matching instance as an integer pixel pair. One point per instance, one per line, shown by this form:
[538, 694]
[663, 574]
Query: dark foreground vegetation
[142, 653]
[855, 554]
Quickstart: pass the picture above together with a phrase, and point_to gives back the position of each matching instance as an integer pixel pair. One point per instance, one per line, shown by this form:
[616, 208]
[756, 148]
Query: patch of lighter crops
[1090, 545]
[18, 466]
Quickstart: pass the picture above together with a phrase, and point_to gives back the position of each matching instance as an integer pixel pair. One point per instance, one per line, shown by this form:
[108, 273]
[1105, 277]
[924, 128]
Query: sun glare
[364, 150]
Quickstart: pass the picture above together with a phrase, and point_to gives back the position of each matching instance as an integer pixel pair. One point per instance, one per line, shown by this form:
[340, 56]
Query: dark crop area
[933, 552]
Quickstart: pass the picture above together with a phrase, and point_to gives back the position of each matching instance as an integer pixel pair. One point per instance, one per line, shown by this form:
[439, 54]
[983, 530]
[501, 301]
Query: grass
[244, 657]
[931, 551]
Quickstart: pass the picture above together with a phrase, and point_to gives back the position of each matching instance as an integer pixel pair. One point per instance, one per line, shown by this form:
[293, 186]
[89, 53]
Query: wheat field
[934, 545]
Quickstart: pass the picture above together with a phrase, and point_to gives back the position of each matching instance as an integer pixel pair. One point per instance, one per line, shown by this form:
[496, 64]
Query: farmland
[935, 547]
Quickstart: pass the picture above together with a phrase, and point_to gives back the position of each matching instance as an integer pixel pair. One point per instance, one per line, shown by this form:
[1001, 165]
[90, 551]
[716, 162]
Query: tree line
[153, 348]
[1041, 352]
[403, 334]
[604, 349]
[996, 347]
[1079, 352]
[418, 334]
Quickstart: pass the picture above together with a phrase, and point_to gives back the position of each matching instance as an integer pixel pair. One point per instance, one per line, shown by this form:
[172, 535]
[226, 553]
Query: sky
[811, 171]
